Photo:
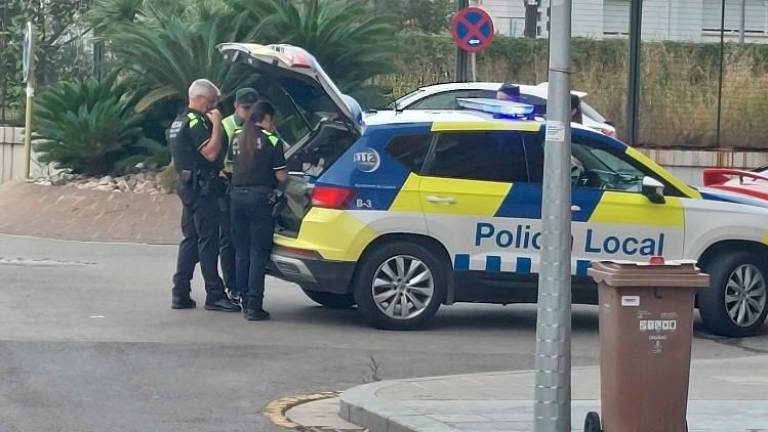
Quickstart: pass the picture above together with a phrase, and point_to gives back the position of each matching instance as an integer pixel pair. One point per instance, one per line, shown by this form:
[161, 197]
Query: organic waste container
[646, 332]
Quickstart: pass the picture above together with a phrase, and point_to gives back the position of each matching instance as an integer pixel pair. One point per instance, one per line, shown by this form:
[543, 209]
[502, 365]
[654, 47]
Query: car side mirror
[654, 190]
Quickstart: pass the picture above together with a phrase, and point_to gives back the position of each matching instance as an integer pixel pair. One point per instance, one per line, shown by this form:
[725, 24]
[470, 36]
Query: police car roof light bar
[507, 109]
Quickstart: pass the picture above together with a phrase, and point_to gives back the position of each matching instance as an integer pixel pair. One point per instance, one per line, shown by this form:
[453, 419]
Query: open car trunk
[312, 113]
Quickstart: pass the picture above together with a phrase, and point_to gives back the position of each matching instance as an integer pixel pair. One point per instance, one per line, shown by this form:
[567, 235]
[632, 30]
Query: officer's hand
[214, 116]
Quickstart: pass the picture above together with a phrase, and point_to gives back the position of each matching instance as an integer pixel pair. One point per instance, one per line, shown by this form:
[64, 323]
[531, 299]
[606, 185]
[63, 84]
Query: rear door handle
[444, 200]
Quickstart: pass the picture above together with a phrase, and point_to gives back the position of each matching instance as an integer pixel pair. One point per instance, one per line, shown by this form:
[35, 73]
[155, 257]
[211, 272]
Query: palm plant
[91, 128]
[167, 53]
[351, 42]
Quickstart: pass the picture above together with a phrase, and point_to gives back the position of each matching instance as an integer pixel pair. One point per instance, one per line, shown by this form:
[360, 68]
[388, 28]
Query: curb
[275, 410]
[361, 406]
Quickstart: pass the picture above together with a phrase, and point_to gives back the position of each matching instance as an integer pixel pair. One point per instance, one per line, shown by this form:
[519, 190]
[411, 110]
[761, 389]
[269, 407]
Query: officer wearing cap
[245, 98]
[259, 167]
[509, 92]
[195, 138]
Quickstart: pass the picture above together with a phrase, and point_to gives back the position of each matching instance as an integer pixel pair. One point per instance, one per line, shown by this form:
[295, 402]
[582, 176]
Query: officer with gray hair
[195, 138]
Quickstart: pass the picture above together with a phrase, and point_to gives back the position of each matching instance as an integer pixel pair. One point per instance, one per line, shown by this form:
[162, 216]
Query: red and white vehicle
[752, 183]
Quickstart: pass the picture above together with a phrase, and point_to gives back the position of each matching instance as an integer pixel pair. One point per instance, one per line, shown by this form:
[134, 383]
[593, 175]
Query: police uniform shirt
[255, 162]
[189, 133]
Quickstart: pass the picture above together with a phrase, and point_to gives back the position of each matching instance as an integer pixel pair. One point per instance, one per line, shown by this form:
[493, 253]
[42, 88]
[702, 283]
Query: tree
[59, 24]
[430, 16]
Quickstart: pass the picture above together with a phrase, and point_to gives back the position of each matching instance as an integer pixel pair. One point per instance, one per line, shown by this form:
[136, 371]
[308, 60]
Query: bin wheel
[592, 423]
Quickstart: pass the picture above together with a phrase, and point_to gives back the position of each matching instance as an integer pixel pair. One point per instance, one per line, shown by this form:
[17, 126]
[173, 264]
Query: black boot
[183, 303]
[255, 308]
[222, 305]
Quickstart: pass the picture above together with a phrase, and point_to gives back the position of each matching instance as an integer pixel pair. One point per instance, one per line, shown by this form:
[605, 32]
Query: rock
[105, 180]
[45, 183]
[140, 177]
[123, 186]
[142, 186]
[105, 188]
[59, 180]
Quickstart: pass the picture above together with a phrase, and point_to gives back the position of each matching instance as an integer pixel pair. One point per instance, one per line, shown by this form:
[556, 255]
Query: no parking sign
[472, 29]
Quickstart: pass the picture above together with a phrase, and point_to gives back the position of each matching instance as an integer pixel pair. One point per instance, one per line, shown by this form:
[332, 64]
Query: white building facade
[679, 20]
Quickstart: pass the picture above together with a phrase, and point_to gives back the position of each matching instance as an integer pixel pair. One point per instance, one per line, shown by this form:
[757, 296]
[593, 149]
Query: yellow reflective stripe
[274, 140]
[345, 242]
[635, 209]
[493, 125]
[470, 197]
[194, 122]
[408, 200]
[191, 116]
[765, 239]
[661, 172]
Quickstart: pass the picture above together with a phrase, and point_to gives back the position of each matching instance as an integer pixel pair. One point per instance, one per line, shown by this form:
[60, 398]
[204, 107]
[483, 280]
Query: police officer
[196, 139]
[259, 167]
[244, 100]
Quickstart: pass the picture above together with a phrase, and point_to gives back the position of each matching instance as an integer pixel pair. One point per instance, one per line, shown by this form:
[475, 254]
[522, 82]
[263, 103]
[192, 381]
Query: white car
[443, 97]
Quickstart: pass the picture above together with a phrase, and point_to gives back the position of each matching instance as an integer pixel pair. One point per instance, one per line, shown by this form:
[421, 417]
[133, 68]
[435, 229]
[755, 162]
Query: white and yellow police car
[409, 211]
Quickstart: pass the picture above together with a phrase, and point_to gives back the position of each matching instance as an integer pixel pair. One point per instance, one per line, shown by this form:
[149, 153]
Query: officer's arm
[279, 165]
[211, 149]
[281, 175]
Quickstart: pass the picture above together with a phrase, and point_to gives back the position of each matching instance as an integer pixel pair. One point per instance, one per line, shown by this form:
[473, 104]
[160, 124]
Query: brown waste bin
[646, 332]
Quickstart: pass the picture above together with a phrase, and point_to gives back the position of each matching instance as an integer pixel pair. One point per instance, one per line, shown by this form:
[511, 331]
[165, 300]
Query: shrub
[91, 128]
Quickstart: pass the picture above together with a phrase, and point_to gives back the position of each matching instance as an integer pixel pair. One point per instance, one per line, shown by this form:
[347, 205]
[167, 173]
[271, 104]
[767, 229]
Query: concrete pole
[742, 20]
[552, 409]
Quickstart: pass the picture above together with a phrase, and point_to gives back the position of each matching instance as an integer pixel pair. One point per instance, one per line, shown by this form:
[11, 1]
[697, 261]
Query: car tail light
[332, 197]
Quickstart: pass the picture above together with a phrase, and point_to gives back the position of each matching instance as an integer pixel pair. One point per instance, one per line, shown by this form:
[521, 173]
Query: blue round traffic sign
[472, 29]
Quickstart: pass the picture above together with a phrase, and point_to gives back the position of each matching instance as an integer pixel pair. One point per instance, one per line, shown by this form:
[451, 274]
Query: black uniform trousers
[200, 243]
[226, 245]
[253, 225]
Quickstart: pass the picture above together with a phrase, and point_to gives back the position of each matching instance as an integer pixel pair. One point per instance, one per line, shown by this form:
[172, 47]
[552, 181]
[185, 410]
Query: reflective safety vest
[232, 129]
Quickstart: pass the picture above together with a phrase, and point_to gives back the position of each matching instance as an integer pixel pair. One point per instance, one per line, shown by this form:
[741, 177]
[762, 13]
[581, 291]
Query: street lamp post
[552, 409]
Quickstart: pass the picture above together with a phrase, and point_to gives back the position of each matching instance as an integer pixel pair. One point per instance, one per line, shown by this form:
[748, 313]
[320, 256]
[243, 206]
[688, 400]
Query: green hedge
[679, 83]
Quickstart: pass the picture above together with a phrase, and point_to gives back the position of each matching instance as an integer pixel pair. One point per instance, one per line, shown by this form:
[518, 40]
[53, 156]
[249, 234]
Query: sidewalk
[729, 395]
[68, 213]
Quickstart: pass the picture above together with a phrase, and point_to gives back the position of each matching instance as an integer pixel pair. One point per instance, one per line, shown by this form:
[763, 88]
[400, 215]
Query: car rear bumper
[311, 271]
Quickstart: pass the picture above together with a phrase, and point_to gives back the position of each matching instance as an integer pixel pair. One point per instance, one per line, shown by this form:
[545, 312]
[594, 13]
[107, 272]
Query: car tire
[400, 285]
[331, 300]
[724, 307]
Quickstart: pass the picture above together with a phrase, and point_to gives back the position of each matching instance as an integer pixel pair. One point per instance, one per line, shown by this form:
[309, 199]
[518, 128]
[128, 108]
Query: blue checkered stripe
[521, 265]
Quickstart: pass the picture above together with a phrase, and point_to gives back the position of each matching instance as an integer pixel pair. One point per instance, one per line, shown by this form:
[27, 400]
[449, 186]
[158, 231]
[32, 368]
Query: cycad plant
[91, 128]
[166, 54]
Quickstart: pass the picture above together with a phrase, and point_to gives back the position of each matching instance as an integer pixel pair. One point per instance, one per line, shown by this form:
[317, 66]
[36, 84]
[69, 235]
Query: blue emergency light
[499, 108]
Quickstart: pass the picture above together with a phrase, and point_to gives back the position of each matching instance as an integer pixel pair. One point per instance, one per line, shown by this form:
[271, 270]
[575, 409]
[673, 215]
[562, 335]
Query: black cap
[512, 90]
[246, 96]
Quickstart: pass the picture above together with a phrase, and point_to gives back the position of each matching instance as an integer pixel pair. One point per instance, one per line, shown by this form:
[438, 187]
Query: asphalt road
[88, 343]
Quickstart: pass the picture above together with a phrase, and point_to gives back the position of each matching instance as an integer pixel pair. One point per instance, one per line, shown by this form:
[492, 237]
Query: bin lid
[683, 274]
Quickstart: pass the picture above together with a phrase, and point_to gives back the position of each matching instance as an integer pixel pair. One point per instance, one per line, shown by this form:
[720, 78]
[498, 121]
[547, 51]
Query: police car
[412, 210]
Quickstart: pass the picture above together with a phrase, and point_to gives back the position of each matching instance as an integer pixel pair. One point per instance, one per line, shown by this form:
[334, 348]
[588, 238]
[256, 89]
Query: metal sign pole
[633, 98]
[29, 77]
[552, 409]
[462, 56]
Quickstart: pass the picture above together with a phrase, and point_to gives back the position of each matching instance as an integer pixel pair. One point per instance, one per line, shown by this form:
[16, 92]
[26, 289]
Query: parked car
[752, 183]
[409, 211]
[443, 97]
